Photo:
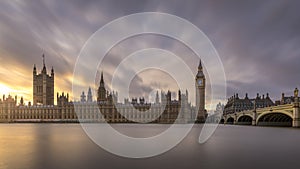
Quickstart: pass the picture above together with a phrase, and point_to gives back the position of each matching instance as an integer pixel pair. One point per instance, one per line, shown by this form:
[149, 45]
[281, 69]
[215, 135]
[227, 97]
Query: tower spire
[101, 90]
[44, 65]
[200, 73]
[89, 95]
[43, 59]
[101, 81]
[200, 65]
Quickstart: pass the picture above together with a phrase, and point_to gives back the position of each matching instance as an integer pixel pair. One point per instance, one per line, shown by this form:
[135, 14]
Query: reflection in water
[43, 146]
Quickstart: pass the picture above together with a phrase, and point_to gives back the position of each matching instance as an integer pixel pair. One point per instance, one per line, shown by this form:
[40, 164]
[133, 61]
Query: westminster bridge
[280, 115]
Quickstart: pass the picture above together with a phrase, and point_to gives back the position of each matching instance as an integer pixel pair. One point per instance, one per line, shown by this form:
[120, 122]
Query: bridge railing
[274, 108]
[271, 108]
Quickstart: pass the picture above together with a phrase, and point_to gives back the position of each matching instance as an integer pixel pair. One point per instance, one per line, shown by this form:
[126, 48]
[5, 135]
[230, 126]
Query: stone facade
[166, 111]
[200, 84]
[285, 100]
[237, 104]
[43, 86]
[104, 108]
[285, 115]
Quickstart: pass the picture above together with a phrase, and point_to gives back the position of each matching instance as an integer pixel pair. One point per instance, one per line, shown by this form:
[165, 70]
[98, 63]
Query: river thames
[57, 146]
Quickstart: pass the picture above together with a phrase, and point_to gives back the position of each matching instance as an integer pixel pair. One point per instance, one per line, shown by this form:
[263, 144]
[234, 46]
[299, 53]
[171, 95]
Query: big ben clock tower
[200, 94]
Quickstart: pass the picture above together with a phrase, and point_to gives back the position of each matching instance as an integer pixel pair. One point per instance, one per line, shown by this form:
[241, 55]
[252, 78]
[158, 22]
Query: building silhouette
[285, 100]
[200, 85]
[43, 86]
[237, 104]
[163, 110]
[262, 112]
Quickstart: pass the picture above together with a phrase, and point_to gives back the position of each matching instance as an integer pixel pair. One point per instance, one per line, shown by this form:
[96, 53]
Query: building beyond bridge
[262, 111]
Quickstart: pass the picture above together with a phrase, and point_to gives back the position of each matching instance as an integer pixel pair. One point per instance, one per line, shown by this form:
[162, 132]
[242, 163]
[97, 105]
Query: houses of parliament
[43, 109]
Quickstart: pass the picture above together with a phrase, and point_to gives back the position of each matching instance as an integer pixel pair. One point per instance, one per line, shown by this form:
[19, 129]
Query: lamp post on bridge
[296, 115]
[254, 114]
[235, 115]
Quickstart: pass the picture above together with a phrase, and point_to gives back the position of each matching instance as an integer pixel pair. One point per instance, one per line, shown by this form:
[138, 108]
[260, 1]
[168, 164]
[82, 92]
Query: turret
[34, 70]
[179, 96]
[62, 99]
[116, 97]
[169, 97]
[22, 101]
[246, 97]
[102, 93]
[296, 91]
[282, 98]
[52, 72]
[83, 97]
[134, 101]
[187, 94]
[142, 100]
[157, 98]
[89, 96]
[162, 97]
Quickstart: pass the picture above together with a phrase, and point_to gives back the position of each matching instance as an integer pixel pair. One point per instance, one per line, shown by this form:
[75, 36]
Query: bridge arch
[230, 120]
[245, 120]
[275, 119]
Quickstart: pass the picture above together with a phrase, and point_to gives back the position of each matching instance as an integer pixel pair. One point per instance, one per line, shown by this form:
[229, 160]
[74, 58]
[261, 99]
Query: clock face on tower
[200, 82]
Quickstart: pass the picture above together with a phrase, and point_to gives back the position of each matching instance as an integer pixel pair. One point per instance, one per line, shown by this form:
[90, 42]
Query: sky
[257, 41]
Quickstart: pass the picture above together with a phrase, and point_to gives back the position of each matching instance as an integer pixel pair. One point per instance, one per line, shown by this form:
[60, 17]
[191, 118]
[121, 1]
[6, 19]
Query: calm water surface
[64, 146]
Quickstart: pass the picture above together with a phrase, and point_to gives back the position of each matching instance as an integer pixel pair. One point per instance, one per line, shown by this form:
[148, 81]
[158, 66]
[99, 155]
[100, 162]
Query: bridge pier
[296, 115]
[235, 122]
[254, 119]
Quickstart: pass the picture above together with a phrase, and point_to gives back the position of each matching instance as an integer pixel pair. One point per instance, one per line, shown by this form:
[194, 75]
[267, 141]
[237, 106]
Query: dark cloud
[257, 41]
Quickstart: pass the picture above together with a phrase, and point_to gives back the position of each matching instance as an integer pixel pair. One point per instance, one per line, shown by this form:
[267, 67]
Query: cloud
[258, 42]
